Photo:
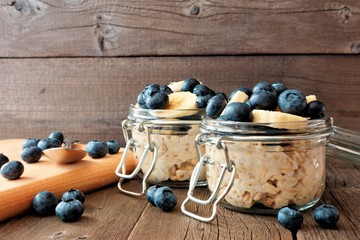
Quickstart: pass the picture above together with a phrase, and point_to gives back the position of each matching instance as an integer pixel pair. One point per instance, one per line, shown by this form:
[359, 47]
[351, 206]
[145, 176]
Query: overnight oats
[264, 149]
[163, 125]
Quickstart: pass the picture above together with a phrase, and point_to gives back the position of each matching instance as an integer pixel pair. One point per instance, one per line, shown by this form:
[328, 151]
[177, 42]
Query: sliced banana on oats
[279, 119]
[176, 86]
[310, 98]
[238, 97]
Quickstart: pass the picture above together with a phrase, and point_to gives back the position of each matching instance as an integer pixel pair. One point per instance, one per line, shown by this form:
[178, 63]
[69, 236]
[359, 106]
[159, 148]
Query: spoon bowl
[65, 155]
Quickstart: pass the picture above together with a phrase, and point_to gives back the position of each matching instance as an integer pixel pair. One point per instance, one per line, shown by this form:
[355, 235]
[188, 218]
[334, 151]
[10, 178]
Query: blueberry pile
[69, 209]
[325, 215]
[162, 197]
[99, 149]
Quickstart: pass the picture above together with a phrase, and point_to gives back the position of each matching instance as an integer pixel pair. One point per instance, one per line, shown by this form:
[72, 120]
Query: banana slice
[176, 86]
[238, 97]
[279, 119]
[310, 98]
[180, 104]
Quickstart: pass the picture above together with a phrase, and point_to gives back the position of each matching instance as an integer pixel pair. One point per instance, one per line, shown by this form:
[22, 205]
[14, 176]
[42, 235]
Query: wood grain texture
[89, 97]
[33, 28]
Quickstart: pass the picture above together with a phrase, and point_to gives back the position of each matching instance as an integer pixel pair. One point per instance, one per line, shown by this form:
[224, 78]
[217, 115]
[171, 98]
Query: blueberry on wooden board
[97, 149]
[30, 142]
[44, 203]
[114, 146]
[12, 170]
[57, 135]
[47, 143]
[3, 159]
[31, 154]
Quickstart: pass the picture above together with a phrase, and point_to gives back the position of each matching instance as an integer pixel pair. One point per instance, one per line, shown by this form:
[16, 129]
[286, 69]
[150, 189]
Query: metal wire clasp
[228, 166]
[131, 143]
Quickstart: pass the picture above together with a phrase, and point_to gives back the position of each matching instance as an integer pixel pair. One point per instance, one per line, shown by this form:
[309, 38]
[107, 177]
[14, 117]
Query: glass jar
[260, 168]
[163, 143]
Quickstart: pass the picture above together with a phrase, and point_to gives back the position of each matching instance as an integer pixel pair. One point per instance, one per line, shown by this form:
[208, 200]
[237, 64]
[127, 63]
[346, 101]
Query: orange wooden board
[86, 175]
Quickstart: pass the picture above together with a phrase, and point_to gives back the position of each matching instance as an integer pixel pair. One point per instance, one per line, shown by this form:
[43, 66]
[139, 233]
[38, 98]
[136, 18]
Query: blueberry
[246, 90]
[73, 194]
[3, 159]
[150, 194]
[238, 111]
[263, 100]
[263, 86]
[326, 215]
[97, 149]
[57, 135]
[31, 154]
[141, 101]
[189, 84]
[202, 90]
[30, 142]
[202, 101]
[215, 106]
[292, 101]
[12, 170]
[44, 203]
[69, 210]
[279, 88]
[148, 91]
[158, 100]
[165, 199]
[114, 146]
[47, 143]
[314, 110]
[165, 89]
[290, 219]
[223, 95]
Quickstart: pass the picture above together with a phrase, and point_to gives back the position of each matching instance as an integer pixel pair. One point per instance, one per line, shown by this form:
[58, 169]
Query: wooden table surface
[110, 214]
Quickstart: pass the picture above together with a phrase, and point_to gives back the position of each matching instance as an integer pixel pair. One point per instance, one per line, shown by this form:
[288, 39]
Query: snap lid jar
[262, 167]
[163, 143]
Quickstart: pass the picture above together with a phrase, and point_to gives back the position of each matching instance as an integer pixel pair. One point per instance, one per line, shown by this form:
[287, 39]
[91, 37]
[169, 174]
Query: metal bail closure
[122, 174]
[205, 159]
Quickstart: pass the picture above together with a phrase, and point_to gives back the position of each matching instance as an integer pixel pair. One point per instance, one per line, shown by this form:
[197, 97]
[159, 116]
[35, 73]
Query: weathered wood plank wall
[51, 75]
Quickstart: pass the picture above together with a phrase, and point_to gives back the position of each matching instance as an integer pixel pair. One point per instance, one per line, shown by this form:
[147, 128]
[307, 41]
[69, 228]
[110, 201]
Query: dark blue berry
[69, 210]
[326, 216]
[44, 203]
[263, 100]
[73, 194]
[150, 194]
[202, 101]
[30, 142]
[57, 135]
[290, 219]
[165, 199]
[97, 149]
[12, 170]
[166, 89]
[31, 154]
[238, 111]
[263, 86]
[114, 146]
[314, 110]
[47, 143]
[3, 159]
[279, 88]
[202, 90]
[223, 95]
[246, 90]
[215, 106]
[292, 101]
[158, 100]
[189, 84]
[148, 91]
[141, 101]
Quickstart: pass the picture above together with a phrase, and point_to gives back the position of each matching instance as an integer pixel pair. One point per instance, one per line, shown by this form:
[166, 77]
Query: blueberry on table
[263, 100]
[30, 142]
[73, 194]
[3, 159]
[290, 219]
[150, 194]
[215, 106]
[237, 111]
[97, 149]
[31, 154]
[202, 90]
[47, 143]
[165, 199]
[279, 88]
[314, 110]
[263, 86]
[326, 215]
[44, 203]
[246, 90]
[113, 146]
[292, 101]
[12, 170]
[69, 210]
[202, 101]
[189, 84]
[57, 135]
[158, 100]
